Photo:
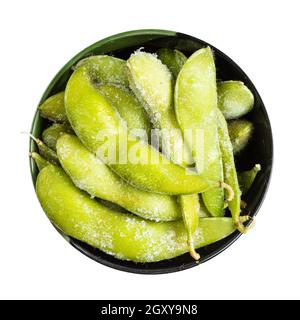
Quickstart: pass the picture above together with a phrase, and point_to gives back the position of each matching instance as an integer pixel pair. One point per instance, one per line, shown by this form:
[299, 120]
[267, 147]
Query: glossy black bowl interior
[259, 150]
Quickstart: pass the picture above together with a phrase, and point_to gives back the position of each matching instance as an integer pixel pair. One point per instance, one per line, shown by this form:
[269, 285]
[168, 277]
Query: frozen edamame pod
[234, 99]
[230, 173]
[128, 107]
[51, 134]
[45, 151]
[151, 81]
[240, 132]
[39, 160]
[190, 208]
[196, 106]
[204, 213]
[92, 175]
[124, 236]
[173, 59]
[106, 70]
[246, 178]
[91, 114]
[54, 108]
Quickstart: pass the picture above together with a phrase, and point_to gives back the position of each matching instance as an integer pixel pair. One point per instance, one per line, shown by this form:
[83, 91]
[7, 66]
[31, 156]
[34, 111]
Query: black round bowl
[259, 150]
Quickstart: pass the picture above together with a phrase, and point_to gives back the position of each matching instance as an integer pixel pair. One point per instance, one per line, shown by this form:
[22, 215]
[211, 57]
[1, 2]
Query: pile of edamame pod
[143, 210]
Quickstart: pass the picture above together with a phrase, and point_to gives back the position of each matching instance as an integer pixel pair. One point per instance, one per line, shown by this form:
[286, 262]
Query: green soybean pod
[92, 175]
[196, 106]
[173, 59]
[91, 115]
[122, 235]
[53, 108]
[51, 134]
[240, 132]
[128, 107]
[246, 178]
[204, 213]
[234, 99]
[106, 70]
[230, 173]
[109, 70]
[151, 81]
[190, 208]
[46, 152]
[39, 160]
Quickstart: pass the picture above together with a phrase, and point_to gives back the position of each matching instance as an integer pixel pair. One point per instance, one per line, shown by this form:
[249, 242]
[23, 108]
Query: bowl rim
[154, 32]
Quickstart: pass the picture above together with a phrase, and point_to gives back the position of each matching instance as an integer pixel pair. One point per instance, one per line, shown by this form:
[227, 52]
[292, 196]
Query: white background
[38, 37]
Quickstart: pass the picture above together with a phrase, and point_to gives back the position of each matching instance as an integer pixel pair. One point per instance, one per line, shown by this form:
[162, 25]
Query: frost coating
[196, 106]
[106, 70]
[152, 83]
[234, 99]
[122, 235]
[90, 174]
[90, 113]
[128, 107]
[230, 174]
